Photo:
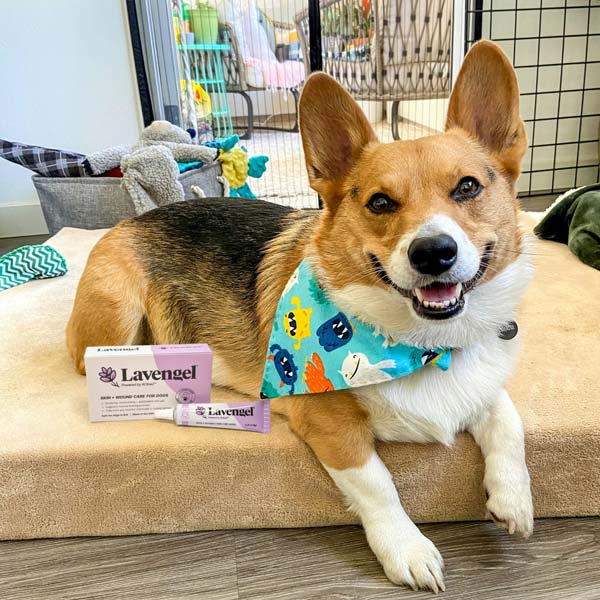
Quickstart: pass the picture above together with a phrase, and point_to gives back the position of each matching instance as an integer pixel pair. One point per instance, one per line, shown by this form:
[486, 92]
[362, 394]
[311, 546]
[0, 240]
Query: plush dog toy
[159, 133]
[150, 169]
[237, 166]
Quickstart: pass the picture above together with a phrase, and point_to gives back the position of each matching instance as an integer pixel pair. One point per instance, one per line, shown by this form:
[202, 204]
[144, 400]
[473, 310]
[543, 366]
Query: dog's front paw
[414, 561]
[511, 508]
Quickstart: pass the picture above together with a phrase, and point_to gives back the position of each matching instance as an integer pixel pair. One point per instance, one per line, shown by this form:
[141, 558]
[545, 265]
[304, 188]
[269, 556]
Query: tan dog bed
[63, 476]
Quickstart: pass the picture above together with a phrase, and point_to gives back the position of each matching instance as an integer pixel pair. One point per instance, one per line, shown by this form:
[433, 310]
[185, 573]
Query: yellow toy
[234, 164]
[237, 166]
[202, 101]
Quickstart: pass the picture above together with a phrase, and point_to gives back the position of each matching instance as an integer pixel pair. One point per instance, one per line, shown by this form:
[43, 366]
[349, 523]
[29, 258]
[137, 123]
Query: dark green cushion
[575, 221]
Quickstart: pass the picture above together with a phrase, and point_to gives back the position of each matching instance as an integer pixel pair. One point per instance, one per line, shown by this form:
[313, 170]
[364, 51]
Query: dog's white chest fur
[432, 405]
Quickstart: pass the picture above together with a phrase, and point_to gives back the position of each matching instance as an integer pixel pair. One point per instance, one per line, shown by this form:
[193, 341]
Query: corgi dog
[418, 239]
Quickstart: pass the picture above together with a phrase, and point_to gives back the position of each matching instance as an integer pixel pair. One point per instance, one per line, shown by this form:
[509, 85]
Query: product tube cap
[164, 413]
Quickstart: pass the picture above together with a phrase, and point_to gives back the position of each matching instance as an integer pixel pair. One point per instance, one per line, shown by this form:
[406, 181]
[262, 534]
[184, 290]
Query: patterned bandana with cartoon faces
[315, 347]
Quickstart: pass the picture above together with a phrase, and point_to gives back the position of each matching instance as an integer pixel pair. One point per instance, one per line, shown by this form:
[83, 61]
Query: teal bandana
[315, 347]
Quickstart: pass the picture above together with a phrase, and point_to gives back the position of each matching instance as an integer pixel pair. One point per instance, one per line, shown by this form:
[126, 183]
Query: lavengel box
[131, 382]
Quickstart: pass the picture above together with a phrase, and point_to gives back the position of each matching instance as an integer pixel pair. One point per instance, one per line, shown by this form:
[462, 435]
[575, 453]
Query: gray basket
[99, 202]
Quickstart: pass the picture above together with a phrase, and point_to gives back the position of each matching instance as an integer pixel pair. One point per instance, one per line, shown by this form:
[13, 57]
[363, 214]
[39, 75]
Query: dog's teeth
[419, 295]
[453, 301]
[458, 289]
[446, 303]
[426, 304]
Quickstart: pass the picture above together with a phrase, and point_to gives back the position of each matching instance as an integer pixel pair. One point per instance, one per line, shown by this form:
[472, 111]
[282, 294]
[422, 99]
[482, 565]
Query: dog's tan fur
[119, 302]
[110, 297]
[343, 162]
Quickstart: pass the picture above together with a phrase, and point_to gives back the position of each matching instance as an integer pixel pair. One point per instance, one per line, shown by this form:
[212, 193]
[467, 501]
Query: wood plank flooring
[560, 562]
[8, 244]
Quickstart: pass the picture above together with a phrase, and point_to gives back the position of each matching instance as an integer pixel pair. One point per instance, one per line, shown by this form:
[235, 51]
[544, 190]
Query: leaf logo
[108, 375]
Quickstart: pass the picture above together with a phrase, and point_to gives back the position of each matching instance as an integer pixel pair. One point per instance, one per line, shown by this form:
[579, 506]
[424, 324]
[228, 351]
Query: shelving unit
[206, 69]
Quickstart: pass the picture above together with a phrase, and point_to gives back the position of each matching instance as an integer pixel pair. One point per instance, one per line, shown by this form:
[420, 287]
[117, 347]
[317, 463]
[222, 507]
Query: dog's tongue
[438, 292]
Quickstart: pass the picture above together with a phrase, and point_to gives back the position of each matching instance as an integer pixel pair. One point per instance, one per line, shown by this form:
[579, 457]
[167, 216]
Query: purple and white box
[131, 382]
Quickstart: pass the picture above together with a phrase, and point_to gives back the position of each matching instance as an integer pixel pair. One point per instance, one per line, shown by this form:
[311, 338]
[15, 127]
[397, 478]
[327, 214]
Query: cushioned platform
[63, 476]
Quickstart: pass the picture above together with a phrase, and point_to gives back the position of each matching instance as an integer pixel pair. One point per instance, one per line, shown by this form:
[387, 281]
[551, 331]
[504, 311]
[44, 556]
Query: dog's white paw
[511, 508]
[414, 561]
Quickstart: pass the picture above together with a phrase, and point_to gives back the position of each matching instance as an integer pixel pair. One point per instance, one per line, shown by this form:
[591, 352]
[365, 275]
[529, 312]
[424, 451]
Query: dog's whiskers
[520, 252]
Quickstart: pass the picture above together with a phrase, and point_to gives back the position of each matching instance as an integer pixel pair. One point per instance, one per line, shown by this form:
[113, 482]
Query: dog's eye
[380, 203]
[467, 188]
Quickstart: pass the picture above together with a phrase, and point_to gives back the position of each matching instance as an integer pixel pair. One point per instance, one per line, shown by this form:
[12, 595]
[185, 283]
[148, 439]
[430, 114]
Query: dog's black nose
[432, 255]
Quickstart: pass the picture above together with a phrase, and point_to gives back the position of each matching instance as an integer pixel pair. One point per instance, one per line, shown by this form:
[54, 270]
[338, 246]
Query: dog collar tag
[508, 331]
[315, 347]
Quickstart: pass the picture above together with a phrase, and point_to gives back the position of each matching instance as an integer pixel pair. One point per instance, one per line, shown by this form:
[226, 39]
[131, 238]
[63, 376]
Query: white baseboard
[21, 219]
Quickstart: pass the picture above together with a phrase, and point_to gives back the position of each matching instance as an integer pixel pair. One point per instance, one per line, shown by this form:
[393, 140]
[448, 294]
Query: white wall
[67, 81]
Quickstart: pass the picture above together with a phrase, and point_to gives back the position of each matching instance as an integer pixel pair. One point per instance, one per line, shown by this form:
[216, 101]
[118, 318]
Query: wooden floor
[561, 562]
[537, 203]
[8, 244]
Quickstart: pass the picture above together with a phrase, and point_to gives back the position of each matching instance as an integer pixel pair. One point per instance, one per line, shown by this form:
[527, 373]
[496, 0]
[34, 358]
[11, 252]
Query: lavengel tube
[248, 416]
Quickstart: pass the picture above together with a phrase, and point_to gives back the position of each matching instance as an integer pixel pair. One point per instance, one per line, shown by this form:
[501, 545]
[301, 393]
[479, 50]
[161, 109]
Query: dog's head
[420, 237]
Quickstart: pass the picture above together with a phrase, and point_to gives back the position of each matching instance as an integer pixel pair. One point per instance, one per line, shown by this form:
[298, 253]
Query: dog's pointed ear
[485, 104]
[334, 132]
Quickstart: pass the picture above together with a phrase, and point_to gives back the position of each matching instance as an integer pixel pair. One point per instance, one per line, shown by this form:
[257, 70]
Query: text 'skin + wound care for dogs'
[131, 382]
[249, 416]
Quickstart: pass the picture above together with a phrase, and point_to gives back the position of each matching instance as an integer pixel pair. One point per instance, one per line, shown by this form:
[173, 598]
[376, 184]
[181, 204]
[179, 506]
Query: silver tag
[508, 331]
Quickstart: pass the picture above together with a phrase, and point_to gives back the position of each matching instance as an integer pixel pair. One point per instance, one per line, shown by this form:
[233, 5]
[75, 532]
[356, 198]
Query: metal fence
[391, 56]
[555, 48]
[398, 57]
[394, 57]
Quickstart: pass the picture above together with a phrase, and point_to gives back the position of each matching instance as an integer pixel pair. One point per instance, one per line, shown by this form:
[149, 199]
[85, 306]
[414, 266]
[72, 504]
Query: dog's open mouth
[438, 299]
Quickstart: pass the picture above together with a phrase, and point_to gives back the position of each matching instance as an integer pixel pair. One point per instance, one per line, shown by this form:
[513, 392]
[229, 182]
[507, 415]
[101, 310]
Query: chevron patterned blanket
[30, 262]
